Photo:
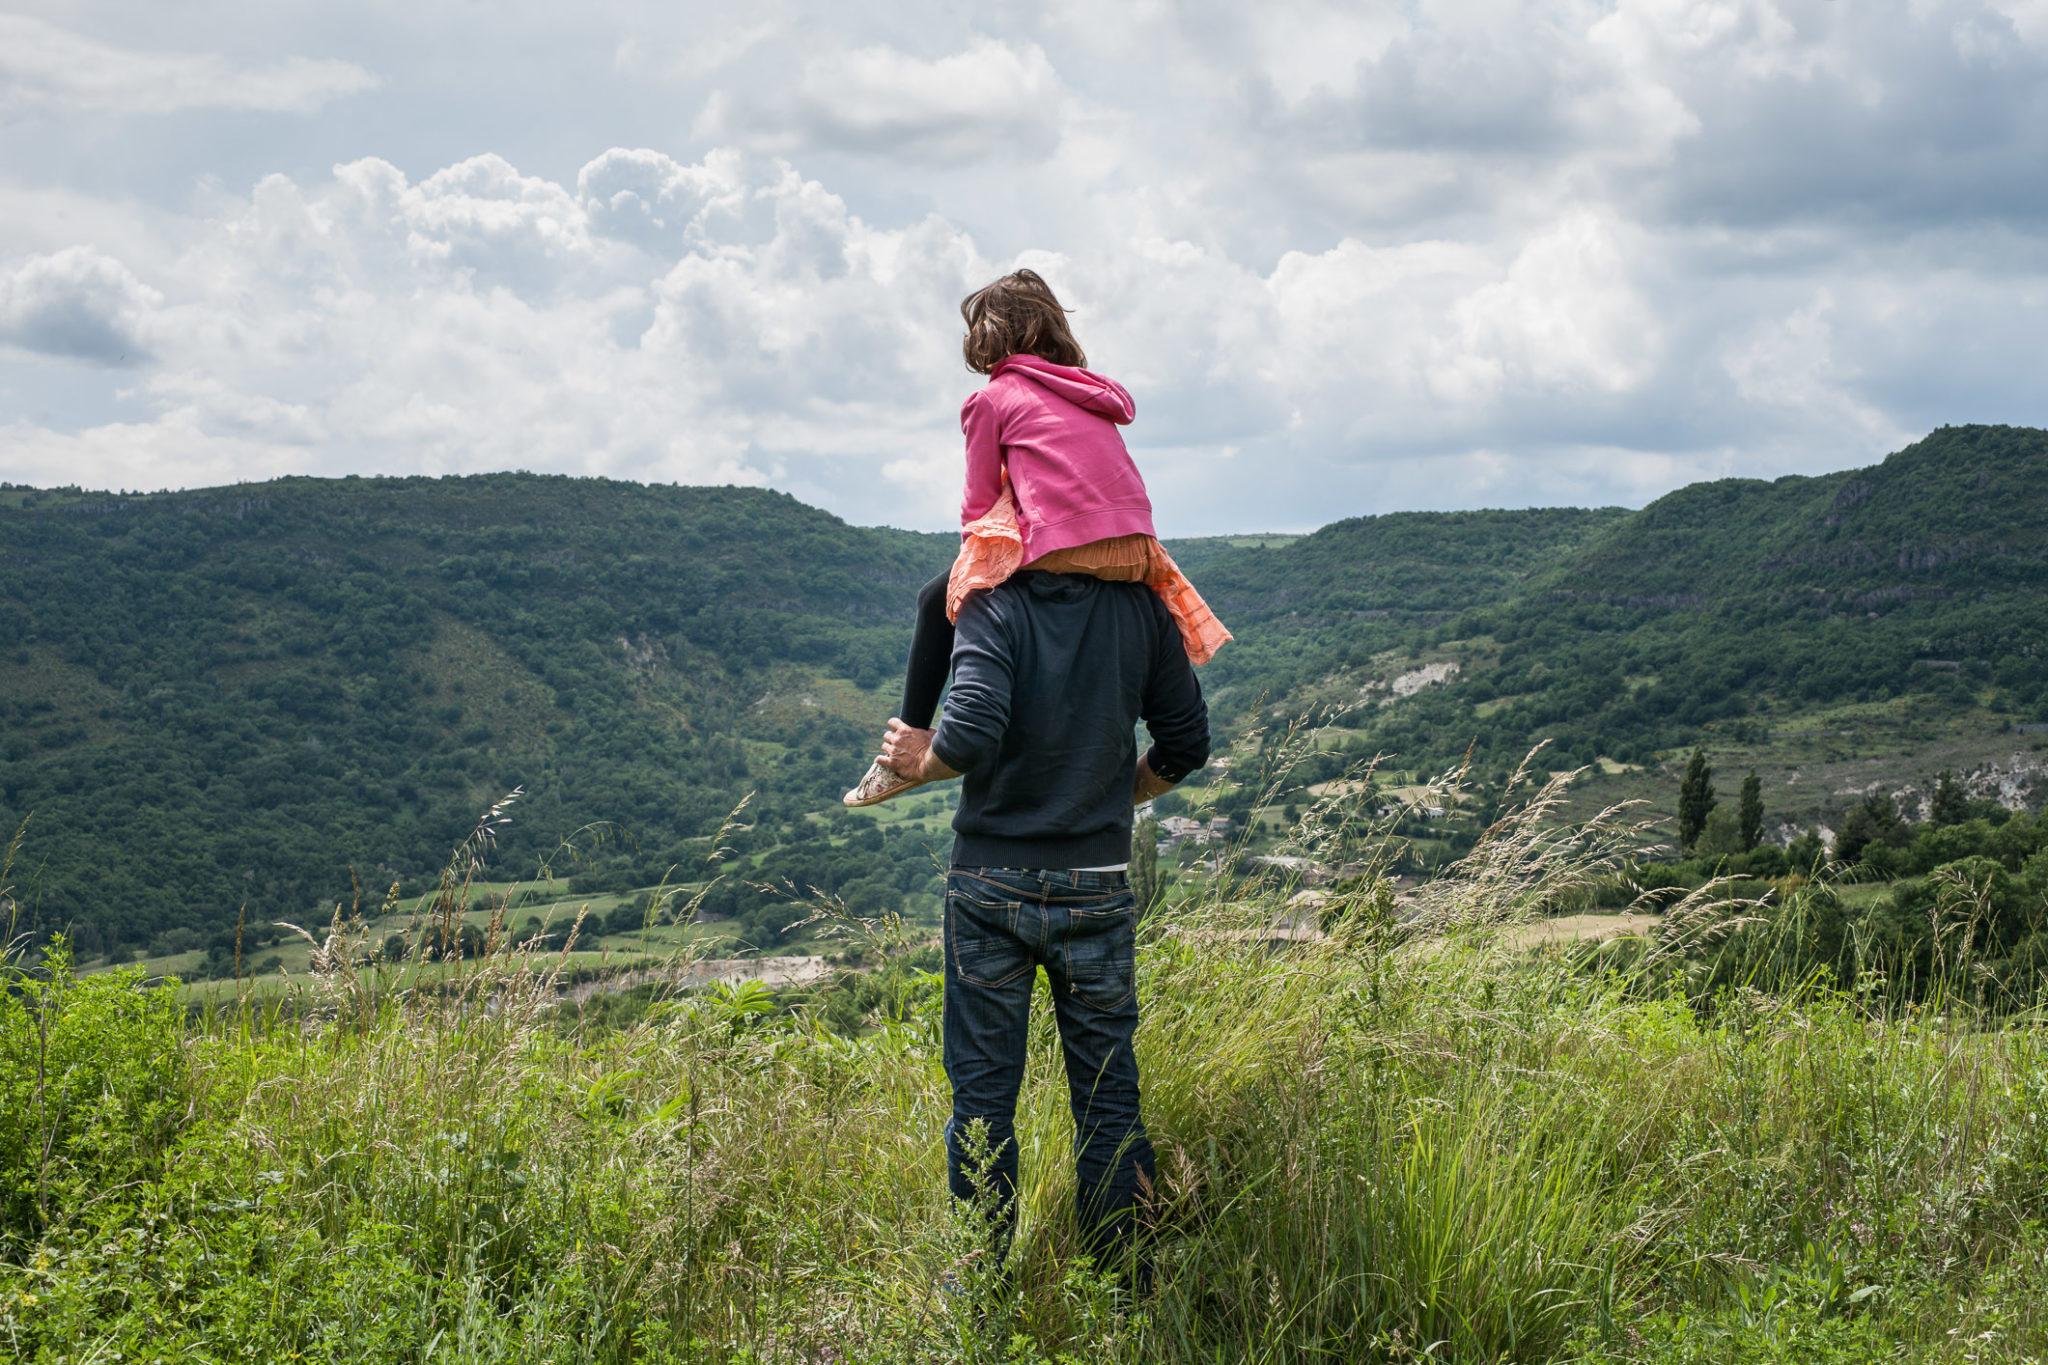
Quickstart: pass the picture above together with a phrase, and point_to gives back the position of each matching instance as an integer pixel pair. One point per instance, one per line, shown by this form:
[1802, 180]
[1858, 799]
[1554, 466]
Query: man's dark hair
[1016, 315]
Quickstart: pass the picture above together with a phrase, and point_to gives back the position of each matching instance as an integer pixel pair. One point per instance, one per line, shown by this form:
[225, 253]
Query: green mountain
[252, 695]
[1854, 632]
[257, 695]
[1963, 512]
[1332, 601]
[1738, 605]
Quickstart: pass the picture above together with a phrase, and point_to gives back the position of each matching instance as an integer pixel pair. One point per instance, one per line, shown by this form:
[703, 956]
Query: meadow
[1426, 1134]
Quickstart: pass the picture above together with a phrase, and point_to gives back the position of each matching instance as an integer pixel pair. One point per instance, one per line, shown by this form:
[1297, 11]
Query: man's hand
[907, 752]
[1148, 786]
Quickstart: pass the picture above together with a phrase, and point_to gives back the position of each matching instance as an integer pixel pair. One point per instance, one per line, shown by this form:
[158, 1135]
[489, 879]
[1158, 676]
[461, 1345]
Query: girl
[1049, 487]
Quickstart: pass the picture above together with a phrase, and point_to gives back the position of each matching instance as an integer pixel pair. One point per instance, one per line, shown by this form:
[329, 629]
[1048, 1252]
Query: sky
[1348, 258]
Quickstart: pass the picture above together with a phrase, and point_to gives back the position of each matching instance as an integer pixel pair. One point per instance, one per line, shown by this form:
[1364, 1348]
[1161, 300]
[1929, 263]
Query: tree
[1696, 800]
[86, 942]
[1806, 851]
[1749, 812]
[1145, 863]
[1951, 803]
[1722, 838]
[1872, 821]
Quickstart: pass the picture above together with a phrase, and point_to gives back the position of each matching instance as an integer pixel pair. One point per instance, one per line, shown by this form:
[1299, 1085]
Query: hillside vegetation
[1716, 609]
[253, 703]
[250, 695]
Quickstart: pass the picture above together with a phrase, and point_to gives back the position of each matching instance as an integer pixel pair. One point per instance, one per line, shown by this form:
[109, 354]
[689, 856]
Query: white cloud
[1305, 47]
[1348, 256]
[2029, 19]
[989, 98]
[171, 451]
[1356, 310]
[1564, 320]
[1870, 116]
[483, 319]
[707, 46]
[77, 302]
[645, 197]
[42, 65]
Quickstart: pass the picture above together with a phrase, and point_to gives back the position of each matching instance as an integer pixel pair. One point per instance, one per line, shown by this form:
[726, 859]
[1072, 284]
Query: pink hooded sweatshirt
[1054, 427]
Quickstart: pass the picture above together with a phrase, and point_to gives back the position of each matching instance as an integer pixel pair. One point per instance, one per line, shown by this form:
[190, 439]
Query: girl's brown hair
[1017, 315]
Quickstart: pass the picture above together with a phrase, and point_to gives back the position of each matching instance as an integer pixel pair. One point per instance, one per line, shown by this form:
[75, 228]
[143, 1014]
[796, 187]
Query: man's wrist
[933, 768]
[1149, 786]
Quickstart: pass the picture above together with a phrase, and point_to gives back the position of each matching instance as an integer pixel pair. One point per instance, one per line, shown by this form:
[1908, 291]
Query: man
[1051, 673]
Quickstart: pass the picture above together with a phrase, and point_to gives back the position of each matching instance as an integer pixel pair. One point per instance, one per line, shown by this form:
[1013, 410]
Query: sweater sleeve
[1174, 711]
[981, 425]
[984, 678]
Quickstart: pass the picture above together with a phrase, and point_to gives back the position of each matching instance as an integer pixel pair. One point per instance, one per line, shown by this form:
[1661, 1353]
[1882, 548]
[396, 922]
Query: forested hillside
[241, 696]
[1733, 606]
[1355, 588]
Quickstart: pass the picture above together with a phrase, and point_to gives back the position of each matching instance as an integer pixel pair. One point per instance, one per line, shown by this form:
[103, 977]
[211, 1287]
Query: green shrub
[92, 1087]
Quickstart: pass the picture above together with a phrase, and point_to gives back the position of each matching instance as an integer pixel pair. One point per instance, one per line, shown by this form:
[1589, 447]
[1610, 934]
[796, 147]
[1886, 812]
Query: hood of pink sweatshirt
[1097, 393]
[1053, 430]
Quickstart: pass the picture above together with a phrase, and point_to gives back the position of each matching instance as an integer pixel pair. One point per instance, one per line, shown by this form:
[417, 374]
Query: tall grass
[1413, 1137]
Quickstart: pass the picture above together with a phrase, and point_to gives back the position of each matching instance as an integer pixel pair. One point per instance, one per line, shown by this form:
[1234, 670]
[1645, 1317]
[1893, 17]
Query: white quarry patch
[2013, 785]
[1413, 681]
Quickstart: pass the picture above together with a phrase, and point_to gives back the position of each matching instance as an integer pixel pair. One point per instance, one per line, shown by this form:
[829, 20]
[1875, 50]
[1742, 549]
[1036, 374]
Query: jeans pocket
[1102, 967]
[1107, 905]
[982, 946]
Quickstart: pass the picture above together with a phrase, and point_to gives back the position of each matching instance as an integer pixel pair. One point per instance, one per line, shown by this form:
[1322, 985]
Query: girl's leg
[931, 656]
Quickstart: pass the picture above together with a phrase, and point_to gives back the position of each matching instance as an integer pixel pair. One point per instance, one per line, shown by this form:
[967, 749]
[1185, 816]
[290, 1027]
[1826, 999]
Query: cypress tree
[1144, 862]
[1695, 799]
[1749, 812]
[1951, 804]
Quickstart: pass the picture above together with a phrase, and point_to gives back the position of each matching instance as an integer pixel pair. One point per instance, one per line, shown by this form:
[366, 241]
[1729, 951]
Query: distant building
[1180, 829]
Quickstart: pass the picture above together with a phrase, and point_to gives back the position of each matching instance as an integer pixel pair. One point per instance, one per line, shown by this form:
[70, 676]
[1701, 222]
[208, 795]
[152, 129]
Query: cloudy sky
[1348, 258]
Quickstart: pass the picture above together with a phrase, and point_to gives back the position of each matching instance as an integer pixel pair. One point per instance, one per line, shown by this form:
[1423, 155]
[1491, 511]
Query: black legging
[931, 656]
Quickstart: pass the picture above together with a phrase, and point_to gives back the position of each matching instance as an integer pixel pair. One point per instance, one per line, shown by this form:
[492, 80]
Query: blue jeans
[1002, 924]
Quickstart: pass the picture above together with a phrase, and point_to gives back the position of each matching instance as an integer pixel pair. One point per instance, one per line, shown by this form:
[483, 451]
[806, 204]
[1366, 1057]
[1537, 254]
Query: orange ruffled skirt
[992, 548]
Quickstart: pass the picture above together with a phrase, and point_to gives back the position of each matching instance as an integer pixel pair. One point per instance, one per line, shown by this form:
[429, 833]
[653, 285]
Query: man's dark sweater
[1051, 673]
